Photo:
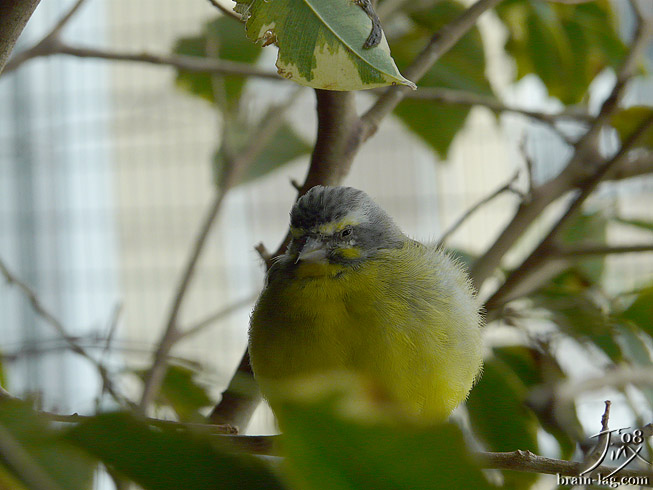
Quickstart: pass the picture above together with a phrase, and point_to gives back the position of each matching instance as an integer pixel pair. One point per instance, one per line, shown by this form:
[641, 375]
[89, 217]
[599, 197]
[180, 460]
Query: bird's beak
[314, 250]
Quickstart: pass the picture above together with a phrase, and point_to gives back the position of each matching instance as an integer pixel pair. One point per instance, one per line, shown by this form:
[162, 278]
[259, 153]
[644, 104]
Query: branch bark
[14, 15]
[580, 167]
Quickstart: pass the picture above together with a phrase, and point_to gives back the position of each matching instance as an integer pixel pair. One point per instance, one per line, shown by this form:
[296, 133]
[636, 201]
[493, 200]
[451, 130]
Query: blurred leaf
[328, 450]
[7, 481]
[220, 39]
[167, 459]
[626, 121]
[180, 390]
[60, 462]
[462, 68]
[636, 351]
[499, 417]
[640, 312]
[321, 43]
[539, 370]
[588, 228]
[644, 225]
[571, 301]
[284, 147]
[565, 45]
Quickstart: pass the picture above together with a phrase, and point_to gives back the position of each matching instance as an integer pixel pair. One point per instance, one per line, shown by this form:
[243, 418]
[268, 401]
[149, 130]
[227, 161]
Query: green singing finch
[353, 293]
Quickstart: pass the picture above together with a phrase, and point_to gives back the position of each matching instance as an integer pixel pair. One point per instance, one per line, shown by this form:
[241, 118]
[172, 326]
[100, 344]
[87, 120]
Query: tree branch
[583, 251]
[235, 170]
[579, 168]
[180, 62]
[226, 11]
[14, 15]
[507, 187]
[51, 320]
[440, 43]
[537, 258]
[462, 97]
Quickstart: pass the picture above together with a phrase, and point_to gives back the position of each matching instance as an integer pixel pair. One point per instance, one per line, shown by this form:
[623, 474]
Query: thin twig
[172, 334]
[619, 377]
[507, 187]
[538, 256]
[180, 62]
[169, 424]
[63, 22]
[526, 461]
[226, 11]
[579, 168]
[440, 44]
[463, 97]
[595, 457]
[51, 320]
[216, 317]
[582, 251]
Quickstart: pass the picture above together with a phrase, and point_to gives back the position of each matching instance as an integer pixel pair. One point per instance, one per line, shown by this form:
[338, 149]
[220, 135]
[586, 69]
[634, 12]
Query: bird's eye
[345, 233]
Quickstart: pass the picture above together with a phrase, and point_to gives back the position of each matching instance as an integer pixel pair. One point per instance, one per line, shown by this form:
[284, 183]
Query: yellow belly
[409, 327]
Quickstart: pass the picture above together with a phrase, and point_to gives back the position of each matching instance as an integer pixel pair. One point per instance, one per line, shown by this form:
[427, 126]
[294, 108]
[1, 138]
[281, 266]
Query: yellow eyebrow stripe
[331, 228]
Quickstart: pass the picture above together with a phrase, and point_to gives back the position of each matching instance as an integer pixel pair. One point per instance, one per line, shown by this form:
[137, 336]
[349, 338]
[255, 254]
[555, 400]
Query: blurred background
[106, 175]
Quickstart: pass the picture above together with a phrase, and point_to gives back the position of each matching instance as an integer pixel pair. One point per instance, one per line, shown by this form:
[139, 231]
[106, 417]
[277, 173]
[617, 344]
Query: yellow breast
[406, 320]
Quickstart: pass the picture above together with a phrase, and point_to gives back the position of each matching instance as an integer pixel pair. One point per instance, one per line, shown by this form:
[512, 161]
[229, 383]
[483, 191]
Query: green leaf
[220, 39]
[321, 43]
[46, 452]
[640, 312]
[565, 45]
[538, 369]
[284, 147]
[572, 303]
[462, 68]
[180, 390]
[499, 417]
[626, 121]
[167, 459]
[588, 228]
[329, 448]
[638, 223]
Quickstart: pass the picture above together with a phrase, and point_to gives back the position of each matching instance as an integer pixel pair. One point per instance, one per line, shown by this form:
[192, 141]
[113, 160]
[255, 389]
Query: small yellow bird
[353, 293]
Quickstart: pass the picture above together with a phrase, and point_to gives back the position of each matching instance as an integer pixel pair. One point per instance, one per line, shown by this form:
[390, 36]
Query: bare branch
[63, 22]
[14, 15]
[206, 428]
[507, 187]
[536, 259]
[180, 62]
[440, 43]
[635, 167]
[583, 251]
[226, 11]
[235, 170]
[462, 97]
[60, 329]
[578, 170]
[216, 317]
[528, 462]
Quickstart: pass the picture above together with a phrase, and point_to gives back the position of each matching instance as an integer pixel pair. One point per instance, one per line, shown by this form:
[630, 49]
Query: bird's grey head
[340, 225]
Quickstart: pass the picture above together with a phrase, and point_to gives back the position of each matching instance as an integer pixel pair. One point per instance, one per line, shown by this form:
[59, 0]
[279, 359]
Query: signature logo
[613, 445]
